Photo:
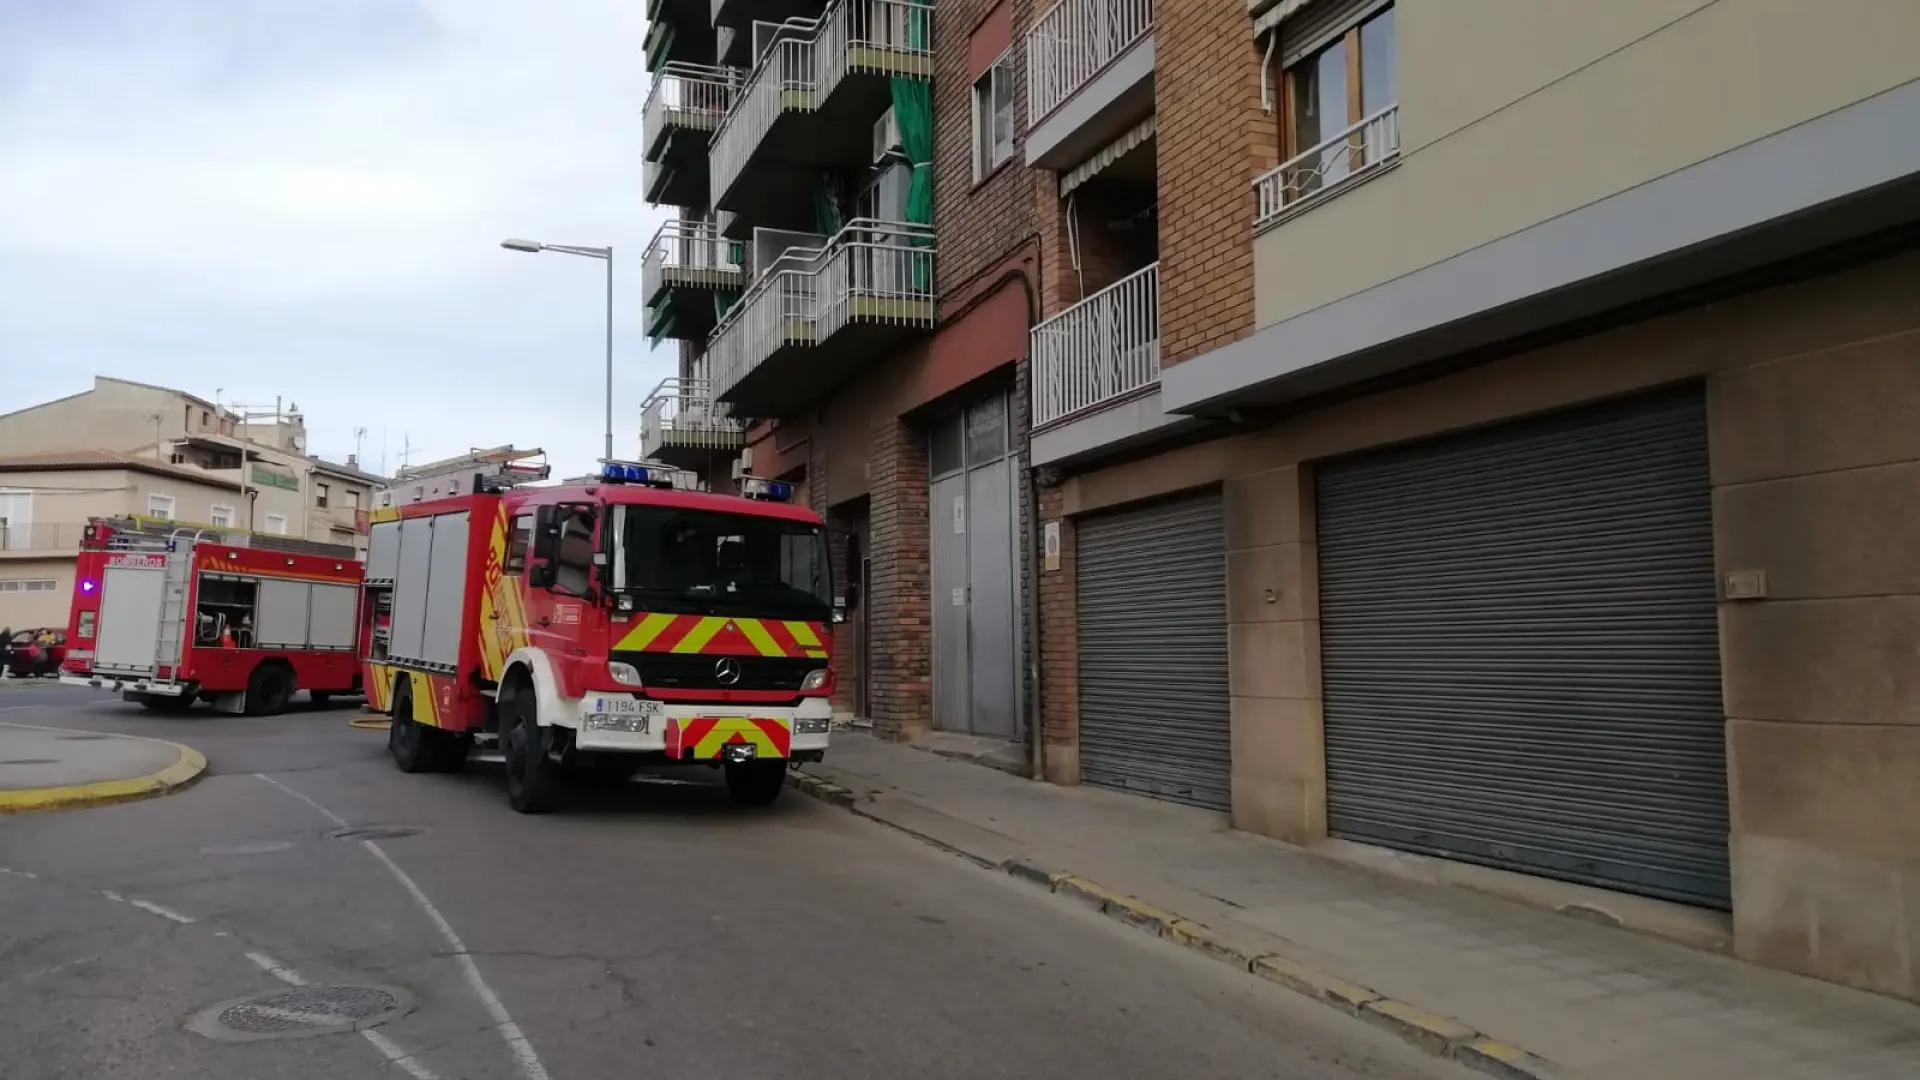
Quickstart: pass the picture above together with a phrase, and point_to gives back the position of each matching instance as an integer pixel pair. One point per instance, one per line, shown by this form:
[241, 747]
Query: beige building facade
[1551, 510]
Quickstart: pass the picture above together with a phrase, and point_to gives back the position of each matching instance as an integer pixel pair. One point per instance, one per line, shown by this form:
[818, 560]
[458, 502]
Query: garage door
[1520, 653]
[1151, 592]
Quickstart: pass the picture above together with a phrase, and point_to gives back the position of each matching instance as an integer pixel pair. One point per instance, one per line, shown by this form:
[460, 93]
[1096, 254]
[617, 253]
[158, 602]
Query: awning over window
[1109, 154]
[1276, 14]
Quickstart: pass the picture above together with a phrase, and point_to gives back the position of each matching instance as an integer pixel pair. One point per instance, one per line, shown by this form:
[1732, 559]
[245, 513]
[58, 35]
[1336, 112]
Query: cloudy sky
[305, 198]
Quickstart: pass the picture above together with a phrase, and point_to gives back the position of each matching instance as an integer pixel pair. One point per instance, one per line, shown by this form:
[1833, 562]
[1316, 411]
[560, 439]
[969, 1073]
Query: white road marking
[516, 1039]
[392, 1051]
[19, 873]
[161, 910]
[113, 896]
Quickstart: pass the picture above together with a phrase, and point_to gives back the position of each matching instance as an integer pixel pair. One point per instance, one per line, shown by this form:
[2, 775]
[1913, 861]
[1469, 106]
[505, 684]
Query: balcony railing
[1073, 42]
[877, 272]
[688, 254]
[1343, 159]
[1100, 350]
[682, 413]
[684, 95]
[800, 71]
[52, 537]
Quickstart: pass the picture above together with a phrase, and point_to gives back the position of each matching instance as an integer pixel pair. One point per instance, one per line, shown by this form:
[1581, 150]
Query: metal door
[976, 642]
[1520, 649]
[1151, 607]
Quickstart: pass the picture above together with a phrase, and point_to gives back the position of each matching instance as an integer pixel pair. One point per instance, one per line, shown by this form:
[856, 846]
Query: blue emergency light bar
[771, 490]
[628, 472]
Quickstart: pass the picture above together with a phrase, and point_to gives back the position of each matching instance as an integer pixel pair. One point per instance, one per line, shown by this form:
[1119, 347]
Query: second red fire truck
[598, 625]
[169, 615]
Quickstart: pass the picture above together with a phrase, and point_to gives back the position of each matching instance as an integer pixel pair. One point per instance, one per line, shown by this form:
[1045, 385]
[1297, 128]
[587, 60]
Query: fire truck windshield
[717, 563]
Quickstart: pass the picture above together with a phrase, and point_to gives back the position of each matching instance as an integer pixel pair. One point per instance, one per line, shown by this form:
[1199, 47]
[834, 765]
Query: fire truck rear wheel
[756, 783]
[533, 780]
[269, 690]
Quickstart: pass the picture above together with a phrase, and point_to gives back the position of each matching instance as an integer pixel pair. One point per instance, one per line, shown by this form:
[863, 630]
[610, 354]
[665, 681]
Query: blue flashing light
[87, 585]
[613, 472]
[780, 490]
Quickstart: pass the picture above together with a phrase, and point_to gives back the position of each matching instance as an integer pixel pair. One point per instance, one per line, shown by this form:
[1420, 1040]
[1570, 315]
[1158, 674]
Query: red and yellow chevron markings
[702, 738]
[715, 635]
[503, 619]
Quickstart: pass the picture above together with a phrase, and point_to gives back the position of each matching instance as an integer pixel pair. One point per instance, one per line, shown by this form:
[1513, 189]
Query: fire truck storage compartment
[383, 552]
[430, 590]
[129, 628]
[304, 615]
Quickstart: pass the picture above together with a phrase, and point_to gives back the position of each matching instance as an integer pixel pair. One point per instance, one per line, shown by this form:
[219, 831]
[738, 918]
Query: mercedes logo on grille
[727, 671]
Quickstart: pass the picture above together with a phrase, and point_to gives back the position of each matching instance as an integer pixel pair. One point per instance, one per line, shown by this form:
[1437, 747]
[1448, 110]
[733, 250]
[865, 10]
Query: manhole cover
[258, 847]
[376, 832]
[301, 1011]
[29, 761]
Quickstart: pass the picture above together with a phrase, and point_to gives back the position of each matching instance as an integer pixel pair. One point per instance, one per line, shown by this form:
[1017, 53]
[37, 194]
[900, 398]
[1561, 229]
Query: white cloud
[305, 198]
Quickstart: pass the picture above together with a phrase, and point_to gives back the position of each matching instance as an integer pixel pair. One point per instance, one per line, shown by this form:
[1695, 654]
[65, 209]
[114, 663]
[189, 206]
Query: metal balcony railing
[1100, 350]
[682, 413]
[800, 70]
[688, 253]
[686, 95]
[1354, 153]
[1073, 42]
[877, 272]
[45, 536]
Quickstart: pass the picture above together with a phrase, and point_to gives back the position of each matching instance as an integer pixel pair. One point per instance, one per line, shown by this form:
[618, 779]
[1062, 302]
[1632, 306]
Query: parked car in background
[31, 654]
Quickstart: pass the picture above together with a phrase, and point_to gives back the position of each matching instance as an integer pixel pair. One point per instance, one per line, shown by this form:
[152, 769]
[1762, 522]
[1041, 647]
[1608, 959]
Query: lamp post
[602, 253]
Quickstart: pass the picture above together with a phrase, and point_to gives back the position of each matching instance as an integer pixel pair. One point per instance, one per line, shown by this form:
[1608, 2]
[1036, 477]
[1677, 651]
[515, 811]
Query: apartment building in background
[129, 449]
[1477, 431]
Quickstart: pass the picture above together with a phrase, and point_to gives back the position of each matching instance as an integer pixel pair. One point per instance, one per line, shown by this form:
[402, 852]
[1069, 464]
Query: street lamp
[604, 253]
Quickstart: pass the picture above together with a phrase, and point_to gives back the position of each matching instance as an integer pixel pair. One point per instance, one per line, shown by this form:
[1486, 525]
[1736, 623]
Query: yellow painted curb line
[184, 771]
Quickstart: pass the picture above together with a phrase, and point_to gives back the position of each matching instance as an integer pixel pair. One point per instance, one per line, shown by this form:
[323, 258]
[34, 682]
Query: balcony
[811, 103]
[1356, 154]
[1090, 70]
[683, 426]
[678, 32]
[683, 110]
[817, 315]
[740, 15]
[38, 541]
[689, 276]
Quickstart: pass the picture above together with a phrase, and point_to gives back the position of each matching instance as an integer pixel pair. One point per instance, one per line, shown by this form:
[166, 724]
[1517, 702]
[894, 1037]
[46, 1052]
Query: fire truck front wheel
[533, 778]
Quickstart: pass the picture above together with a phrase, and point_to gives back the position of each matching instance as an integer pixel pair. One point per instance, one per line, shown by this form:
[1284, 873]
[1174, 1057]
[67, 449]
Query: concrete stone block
[1272, 507]
[1839, 787]
[1835, 534]
[1275, 660]
[1272, 584]
[1279, 769]
[1837, 408]
[1854, 661]
[1834, 915]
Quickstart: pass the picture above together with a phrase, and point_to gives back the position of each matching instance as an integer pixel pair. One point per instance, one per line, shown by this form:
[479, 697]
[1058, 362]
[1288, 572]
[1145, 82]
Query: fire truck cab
[595, 626]
[169, 614]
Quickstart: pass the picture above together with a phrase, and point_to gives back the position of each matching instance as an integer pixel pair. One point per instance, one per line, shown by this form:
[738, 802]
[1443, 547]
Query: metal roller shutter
[1151, 591]
[1520, 649]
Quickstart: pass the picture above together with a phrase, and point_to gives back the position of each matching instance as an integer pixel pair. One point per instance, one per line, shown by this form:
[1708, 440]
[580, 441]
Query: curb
[1442, 1036]
[182, 773]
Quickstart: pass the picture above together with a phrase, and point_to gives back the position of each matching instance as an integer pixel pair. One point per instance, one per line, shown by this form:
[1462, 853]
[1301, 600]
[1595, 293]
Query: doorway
[976, 644]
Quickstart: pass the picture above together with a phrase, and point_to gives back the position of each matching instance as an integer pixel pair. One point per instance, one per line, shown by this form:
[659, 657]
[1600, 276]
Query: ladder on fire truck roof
[479, 470]
[154, 534]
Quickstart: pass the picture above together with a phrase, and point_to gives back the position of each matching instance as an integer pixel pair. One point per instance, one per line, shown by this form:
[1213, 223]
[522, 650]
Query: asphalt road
[653, 930]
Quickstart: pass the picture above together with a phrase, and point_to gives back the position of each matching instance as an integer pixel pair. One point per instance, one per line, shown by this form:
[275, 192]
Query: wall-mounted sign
[1050, 545]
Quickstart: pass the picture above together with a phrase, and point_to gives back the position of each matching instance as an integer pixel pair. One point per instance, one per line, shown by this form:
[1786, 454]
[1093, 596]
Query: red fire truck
[168, 615]
[597, 625]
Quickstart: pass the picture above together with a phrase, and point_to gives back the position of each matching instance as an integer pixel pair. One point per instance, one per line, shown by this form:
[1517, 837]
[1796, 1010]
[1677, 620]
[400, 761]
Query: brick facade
[1059, 674]
[1213, 141]
[899, 612]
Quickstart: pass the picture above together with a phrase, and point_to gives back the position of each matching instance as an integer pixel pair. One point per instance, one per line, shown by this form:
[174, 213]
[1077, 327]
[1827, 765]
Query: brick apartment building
[1479, 430]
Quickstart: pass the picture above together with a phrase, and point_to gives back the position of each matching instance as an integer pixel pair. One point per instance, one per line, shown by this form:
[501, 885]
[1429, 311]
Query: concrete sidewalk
[1585, 1000]
[57, 768]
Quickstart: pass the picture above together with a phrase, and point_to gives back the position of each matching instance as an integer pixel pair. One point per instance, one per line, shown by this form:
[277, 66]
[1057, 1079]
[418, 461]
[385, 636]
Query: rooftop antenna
[359, 437]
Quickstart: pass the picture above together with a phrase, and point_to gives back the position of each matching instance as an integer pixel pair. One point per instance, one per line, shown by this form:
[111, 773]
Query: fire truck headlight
[624, 673]
[815, 679]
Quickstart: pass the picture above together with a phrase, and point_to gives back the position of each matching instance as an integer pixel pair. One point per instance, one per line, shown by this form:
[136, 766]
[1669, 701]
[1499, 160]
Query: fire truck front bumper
[139, 684]
[702, 732]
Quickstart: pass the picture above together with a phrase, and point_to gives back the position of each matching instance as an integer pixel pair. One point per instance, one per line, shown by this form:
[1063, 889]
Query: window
[702, 561]
[353, 499]
[16, 518]
[277, 524]
[160, 506]
[28, 585]
[222, 516]
[573, 551]
[1339, 111]
[993, 117]
[321, 491]
[518, 544]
